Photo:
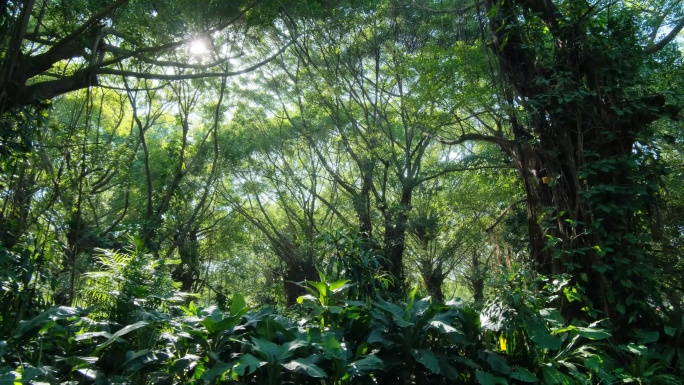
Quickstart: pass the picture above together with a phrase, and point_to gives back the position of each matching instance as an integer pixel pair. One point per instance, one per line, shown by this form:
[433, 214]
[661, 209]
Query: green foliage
[127, 282]
[445, 138]
[346, 255]
[520, 340]
[537, 338]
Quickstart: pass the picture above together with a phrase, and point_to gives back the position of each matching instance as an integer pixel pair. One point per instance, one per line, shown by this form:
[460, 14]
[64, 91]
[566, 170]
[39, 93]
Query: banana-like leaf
[127, 329]
[306, 365]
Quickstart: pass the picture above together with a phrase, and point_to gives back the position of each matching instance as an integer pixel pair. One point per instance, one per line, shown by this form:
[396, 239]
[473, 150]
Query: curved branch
[140, 75]
[162, 63]
[503, 143]
[456, 11]
[668, 38]
[503, 214]
[99, 15]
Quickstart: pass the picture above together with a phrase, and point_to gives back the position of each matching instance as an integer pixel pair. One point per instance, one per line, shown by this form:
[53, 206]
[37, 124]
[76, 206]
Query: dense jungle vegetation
[341, 192]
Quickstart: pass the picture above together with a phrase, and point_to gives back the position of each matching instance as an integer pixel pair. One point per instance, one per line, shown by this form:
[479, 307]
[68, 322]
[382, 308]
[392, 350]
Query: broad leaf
[524, 375]
[485, 378]
[379, 336]
[218, 370]
[238, 307]
[427, 358]
[57, 313]
[306, 365]
[90, 335]
[495, 361]
[122, 332]
[365, 365]
[286, 350]
[247, 364]
[647, 337]
[137, 360]
[266, 349]
[187, 361]
[540, 335]
[593, 334]
[213, 325]
[340, 285]
[552, 376]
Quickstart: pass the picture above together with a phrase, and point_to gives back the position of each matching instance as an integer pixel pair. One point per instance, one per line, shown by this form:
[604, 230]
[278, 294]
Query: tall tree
[368, 90]
[580, 104]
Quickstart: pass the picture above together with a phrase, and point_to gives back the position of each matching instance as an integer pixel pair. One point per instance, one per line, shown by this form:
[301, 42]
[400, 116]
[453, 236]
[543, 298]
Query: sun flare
[198, 47]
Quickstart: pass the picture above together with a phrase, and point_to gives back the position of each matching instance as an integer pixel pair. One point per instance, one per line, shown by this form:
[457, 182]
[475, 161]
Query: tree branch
[668, 38]
[503, 143]
[139, 75]
[503, 214]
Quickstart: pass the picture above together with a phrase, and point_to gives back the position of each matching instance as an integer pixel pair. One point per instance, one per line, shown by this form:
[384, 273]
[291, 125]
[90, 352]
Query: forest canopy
[335, 192]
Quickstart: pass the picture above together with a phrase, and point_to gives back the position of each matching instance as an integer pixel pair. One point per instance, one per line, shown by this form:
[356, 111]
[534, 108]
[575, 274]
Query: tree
[580, 106]
[363, 88]
[54, 47]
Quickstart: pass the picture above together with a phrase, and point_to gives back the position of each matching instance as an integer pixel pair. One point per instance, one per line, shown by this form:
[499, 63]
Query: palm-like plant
[128, 280]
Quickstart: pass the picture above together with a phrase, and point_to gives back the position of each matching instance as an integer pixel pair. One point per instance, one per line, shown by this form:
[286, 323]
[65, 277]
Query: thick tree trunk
[14, 216]
[575, 150]
[396, 221]
[433, 284]
[188, 271]
[300, 271]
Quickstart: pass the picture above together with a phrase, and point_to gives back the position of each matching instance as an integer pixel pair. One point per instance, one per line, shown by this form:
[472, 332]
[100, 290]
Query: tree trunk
[433, 284]
[188, 271]
[576, 148]
[396, 220]
[302, 270]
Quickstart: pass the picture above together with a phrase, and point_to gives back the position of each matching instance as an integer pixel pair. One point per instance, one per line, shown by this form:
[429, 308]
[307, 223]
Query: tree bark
[575, 150]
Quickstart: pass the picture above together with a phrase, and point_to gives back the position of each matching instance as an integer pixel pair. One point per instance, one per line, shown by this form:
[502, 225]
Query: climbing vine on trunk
[580, 109]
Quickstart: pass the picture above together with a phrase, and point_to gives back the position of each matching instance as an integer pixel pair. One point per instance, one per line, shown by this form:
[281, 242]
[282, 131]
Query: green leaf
[238, 306]
[214, 326]
[427, 359]
[364, 365]
[122, 332]
[334, 309]
[47, 326]
[75, 360]
[485, 378]
[397, 312]
[137, 360]
[495, 361]
[306, 365]
[8, 378]
[552, 376]
[638, 350]
[90, 335]
[30, 373]
[447, 370]
[340, 285]
[593, 334]
[647, 337]
[524, 375]
[247, 364]
[540, 335]
[37, 322]
[286, 350]
[322, 289]
[183, 363]
[442, 326]
[308, 297]
[266, 349]
[593, 363]
[217, 371]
